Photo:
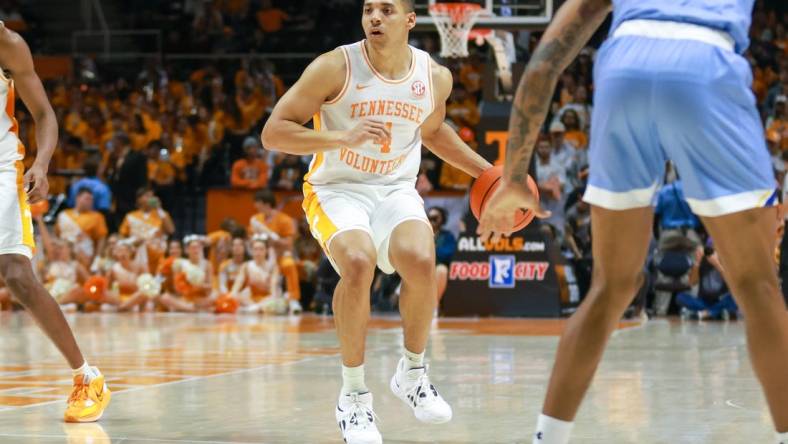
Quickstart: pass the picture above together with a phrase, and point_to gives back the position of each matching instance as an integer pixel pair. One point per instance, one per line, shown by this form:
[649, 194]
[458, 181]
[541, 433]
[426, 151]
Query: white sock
[85, 370]
[413, 360]
[353, 380]
[552, 431]
[782, 438]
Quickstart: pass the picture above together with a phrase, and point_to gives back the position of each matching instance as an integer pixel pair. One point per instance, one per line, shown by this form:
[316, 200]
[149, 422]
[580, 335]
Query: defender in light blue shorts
[670, 84]
[671, 89]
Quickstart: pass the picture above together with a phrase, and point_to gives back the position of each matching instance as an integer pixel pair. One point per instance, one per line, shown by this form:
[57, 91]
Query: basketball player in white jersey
[373, 104]
[90, 396]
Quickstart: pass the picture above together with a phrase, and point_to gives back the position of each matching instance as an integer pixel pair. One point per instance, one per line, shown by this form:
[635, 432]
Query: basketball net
[454, 22]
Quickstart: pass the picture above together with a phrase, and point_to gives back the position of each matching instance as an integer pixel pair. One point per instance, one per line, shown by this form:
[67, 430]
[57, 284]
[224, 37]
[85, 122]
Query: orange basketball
[226, 304]
[95, 286]
[484, 186]
[39, 208]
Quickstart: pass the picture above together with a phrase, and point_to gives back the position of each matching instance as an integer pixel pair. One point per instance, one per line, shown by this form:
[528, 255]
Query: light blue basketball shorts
[684, 100]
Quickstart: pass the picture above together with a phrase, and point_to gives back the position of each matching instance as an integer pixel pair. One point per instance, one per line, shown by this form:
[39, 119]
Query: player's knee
[609, 292]
[358, 269]
[19, 280]
[417, 264]
[754, 288]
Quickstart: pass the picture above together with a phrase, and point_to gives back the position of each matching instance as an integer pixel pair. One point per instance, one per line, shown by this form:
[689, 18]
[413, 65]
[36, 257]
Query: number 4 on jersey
[385, 147]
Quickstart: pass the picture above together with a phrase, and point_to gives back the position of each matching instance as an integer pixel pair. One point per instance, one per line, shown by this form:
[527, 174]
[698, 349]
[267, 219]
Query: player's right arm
[574, 23]
[322, 81]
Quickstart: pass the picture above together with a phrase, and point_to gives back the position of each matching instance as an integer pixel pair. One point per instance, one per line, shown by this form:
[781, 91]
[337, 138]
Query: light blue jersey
[670, 85]
[731, 16]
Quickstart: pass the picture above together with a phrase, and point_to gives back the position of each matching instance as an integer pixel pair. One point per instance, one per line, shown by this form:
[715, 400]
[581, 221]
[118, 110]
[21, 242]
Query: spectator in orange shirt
[68, 160]
[269, 18]
[250, 172]
[452, 178]
[281, 229]
[462, 108]
[574, 134]
[137, 133]
[162, 173]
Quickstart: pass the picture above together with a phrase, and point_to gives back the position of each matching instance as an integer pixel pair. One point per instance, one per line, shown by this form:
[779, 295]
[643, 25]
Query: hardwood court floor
[254, 379]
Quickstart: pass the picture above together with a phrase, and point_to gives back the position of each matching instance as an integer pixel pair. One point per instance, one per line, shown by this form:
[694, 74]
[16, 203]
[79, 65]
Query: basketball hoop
[454, 22]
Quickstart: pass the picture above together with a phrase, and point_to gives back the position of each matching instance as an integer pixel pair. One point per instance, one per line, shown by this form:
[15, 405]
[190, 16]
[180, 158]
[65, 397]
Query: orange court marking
[131, 370]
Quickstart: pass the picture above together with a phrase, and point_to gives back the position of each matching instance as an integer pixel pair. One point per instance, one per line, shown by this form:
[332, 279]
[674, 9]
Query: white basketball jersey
[402, 104]
[11, 150]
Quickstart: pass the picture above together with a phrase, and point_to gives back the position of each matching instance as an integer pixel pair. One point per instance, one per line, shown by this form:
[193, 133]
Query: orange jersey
[280, 223]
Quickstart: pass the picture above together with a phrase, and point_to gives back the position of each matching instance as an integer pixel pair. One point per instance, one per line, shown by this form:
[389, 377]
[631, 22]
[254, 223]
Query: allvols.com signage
[513, 277]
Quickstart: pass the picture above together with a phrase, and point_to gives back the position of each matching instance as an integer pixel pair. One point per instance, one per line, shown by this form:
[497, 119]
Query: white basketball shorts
[375, 209]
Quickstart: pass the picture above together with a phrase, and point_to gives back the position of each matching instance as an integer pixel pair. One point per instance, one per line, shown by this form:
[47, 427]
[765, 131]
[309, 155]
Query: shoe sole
[94, 418]
[393, 387]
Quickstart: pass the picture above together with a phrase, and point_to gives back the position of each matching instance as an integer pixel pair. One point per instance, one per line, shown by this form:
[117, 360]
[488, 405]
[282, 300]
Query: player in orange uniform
[17, 190]
[373, 104]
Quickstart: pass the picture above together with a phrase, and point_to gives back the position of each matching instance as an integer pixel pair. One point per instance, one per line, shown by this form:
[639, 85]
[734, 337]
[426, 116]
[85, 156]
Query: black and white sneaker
[414, 388]
[356, 419]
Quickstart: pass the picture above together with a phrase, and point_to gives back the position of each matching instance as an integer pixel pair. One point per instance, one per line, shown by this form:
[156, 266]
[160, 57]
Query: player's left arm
[440, 138]
[15, 56]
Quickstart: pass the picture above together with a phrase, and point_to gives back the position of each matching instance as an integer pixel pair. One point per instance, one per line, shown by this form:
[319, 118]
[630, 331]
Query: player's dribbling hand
[498, 217]
[36, 184]
[366, 130]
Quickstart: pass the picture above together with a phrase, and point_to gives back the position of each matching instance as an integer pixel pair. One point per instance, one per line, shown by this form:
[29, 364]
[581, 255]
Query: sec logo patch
[418, 89]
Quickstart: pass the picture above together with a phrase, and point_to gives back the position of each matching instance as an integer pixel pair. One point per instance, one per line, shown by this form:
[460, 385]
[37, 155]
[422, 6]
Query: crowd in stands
[136, 153]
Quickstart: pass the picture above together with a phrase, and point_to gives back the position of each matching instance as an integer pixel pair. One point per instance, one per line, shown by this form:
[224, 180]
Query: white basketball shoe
[356, 419]
[414, 388]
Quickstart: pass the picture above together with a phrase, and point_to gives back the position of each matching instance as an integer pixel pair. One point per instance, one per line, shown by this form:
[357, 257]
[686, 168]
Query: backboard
[499, 14]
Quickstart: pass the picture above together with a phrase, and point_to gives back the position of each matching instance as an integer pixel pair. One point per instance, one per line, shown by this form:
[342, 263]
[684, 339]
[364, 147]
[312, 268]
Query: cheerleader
[123, 277]
[257, 284]
[229, 268]
[169, 298]
[194, 278]
[105, 258]
[63, 274]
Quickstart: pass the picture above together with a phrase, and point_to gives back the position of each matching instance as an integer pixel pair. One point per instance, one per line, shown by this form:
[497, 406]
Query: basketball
[39, 208]
[484, 186]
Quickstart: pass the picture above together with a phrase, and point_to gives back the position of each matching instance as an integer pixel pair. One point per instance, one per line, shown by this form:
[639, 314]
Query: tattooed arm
[573, 25]
[571, 28]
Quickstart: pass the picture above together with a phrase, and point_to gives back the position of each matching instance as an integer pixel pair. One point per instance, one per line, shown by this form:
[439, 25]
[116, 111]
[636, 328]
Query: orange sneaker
[87, 401]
